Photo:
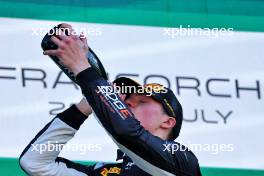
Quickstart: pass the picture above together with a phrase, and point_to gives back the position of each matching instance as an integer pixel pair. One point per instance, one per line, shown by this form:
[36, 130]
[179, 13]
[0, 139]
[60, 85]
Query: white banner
[218, 77]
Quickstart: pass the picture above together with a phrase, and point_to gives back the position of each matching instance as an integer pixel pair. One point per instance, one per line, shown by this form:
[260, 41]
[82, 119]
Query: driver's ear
[169, 122]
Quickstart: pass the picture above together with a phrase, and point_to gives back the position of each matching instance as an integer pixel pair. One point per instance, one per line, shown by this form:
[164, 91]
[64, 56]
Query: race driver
[143, 127]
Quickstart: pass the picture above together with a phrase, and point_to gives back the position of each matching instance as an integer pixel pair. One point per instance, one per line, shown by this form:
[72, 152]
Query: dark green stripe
[10, 167]
[245, 15]
[231, 7]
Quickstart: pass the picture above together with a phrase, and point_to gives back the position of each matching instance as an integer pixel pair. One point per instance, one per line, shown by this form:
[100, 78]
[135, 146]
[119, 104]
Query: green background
[10, 167]
[242, 15]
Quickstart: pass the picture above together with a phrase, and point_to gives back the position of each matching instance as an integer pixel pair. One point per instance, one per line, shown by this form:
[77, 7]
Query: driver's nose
[130, 104]
[132, 107]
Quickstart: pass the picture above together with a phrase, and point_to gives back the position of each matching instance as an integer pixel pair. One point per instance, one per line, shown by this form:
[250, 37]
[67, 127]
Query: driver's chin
[135, 114]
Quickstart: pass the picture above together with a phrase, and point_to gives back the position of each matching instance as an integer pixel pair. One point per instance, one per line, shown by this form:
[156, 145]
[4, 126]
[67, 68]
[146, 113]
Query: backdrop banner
[218, 76]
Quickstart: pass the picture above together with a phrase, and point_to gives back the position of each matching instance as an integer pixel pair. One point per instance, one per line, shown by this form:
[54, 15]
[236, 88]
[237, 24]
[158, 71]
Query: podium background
[130, 38]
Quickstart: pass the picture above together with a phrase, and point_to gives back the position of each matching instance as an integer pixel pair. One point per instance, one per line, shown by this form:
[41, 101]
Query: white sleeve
[40, 157]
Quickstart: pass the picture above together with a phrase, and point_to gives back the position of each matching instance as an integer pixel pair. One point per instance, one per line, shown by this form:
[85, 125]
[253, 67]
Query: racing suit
[142, 153]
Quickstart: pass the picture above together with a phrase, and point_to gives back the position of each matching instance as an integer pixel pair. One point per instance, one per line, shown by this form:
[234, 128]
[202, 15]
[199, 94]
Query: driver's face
[146, 110]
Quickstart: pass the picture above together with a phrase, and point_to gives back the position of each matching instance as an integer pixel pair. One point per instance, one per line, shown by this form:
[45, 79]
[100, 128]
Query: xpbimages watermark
[212, 148]
[91, 31]
[148, 89]
[190, 31]
[55, 146]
